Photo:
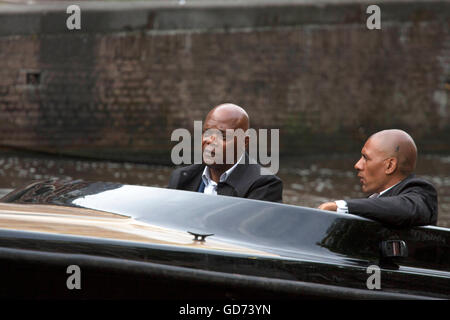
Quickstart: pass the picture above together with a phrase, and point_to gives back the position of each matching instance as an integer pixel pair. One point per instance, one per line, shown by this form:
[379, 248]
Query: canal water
[308, 181]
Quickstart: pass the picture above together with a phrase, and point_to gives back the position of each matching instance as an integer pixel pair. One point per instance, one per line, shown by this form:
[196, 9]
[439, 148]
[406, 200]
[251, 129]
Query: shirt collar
[386, 190]
[206, 176]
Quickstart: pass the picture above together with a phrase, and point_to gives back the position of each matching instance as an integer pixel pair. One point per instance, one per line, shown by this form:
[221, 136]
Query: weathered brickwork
[326, 87]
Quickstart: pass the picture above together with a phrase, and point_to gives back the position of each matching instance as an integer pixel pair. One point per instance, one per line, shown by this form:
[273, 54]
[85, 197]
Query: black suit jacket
[412, 202]
[245, 181]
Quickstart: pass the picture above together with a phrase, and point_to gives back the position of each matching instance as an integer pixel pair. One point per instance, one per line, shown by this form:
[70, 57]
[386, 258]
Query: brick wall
[117, 91]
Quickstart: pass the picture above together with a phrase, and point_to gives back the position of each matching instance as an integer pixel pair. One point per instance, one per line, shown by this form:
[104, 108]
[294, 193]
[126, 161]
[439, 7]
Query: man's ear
[391, 166]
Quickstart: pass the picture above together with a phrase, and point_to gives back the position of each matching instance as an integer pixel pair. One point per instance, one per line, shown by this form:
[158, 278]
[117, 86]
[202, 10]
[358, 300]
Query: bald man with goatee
[237, 177]
[396, 196]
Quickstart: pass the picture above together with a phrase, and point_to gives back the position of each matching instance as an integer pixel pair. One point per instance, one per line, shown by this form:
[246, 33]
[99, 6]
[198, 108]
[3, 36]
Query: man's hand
[330, 206]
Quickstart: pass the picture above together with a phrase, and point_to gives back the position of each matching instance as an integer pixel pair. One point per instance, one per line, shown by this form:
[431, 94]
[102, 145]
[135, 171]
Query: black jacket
[412, 202]
[245, 181]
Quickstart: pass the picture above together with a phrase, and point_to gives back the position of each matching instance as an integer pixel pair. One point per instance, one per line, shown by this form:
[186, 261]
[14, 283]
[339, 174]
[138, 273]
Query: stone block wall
[118, 87]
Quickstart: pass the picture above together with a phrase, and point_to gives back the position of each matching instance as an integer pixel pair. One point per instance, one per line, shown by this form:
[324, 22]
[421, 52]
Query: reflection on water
[307, 181]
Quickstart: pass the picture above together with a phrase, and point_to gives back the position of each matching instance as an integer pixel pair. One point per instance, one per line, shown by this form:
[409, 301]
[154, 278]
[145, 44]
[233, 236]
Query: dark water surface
[307, 181]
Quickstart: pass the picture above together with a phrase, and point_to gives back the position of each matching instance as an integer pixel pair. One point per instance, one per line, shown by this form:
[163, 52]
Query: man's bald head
[228, 116]
[387, 157]
[398, 144]
[220, 144]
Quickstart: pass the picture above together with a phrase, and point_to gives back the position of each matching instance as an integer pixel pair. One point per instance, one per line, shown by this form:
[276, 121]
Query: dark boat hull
[313, 254]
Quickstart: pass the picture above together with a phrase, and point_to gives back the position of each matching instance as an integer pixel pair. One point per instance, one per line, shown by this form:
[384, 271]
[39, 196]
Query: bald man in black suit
[385, 169]
[237, 179]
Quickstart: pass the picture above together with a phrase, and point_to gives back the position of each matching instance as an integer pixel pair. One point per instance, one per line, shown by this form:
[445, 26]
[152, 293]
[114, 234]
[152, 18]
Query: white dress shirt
[211, 185]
